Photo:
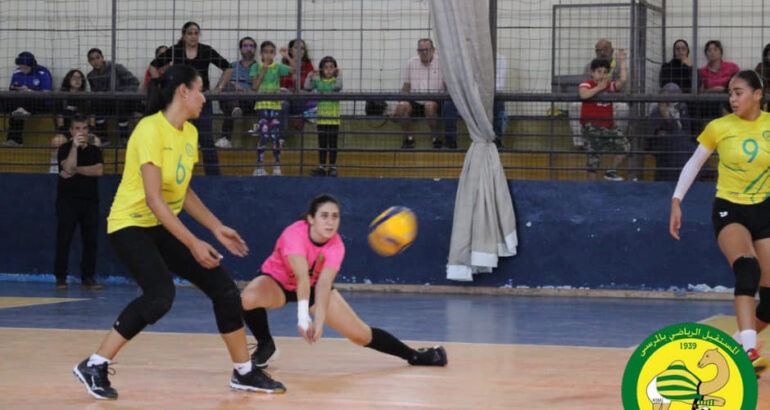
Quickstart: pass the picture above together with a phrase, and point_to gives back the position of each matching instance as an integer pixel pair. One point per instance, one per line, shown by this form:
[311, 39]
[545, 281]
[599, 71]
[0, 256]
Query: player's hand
[306, 334]
[675, 221]
[205, 254]
[231, 240]
[318, 330]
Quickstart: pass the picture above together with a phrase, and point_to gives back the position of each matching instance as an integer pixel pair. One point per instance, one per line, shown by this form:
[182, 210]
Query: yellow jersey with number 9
[744, 157]
[174, 151]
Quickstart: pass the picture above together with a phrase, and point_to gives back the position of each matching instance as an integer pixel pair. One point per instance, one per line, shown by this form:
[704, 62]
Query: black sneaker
[61, 284]
[332, 172]
[95, 379]
[264, 354]
[429, 356]
[256, 380]
[437, 143]
[451, 144]
[408, 142]
[318, 172]
[90, 284]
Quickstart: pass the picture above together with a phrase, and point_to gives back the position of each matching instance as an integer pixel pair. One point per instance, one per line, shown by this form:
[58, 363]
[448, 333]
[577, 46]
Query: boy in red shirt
[598, 128]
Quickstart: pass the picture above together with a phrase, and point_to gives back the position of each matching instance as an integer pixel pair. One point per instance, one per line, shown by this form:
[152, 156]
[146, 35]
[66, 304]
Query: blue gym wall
[579, 234]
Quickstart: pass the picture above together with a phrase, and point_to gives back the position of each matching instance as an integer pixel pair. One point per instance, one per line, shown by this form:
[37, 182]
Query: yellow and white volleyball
[393, 231]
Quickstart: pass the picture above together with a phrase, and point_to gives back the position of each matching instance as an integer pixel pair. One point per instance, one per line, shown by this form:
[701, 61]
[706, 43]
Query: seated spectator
[28, 77]
[297, 109]
[422, 75]
[679, 69]
[713, 78]
[763, 69]
[670, 138]
[162, 69]
[99, 79]
[240, 81]
[73, 82]
[599, 130]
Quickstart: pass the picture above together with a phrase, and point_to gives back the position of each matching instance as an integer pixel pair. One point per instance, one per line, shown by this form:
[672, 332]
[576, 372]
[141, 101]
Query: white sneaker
[20, 113]
[223, 142]
[254, 130]
[277, 170]
[12, 143]
[237, 112]
[259, 172]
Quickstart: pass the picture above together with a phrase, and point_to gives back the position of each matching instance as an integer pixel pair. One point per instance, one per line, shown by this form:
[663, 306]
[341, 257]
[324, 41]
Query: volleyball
[392, 231]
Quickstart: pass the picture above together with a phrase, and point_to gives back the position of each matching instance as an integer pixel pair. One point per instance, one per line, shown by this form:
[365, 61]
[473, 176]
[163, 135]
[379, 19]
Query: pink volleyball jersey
[295, 240]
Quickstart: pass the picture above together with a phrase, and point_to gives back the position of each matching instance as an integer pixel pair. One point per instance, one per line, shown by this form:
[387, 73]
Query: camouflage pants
[600, 139]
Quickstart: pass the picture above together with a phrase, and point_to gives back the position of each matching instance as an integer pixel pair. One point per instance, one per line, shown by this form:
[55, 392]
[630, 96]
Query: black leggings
[151, 255]
[327, 141]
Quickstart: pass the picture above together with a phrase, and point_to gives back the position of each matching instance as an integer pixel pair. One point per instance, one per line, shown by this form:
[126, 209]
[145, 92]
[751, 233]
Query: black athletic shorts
[291, 296]
[755, 217]
[418, 109]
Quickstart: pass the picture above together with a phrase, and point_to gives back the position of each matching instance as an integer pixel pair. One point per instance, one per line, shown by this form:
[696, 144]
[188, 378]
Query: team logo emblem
[689, 366]
[766, 135]
[188, 149]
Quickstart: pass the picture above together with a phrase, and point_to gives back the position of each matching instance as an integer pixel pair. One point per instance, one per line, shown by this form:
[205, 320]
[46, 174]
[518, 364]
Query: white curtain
[484, 226]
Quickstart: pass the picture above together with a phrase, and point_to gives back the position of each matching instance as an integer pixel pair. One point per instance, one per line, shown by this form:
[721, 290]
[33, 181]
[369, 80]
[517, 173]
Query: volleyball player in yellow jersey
[150, 240]
[741, 211]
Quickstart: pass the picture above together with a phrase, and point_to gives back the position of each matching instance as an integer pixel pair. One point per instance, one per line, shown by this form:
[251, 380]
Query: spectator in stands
[73, 82]
[670, 138]
[147, 77]
[498, 110]
[297, 109]
[265, 78]
[326, 80]
[77, 202]
[713, 78]
[679, 69]
[763, 69]
[28, 77]
[100, 79]
[599, 130]
[240, 81]
[422, 75]
[188, 50]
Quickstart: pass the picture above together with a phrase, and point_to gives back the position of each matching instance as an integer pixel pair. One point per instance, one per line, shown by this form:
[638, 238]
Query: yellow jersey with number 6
[744, 157]
[174, 151]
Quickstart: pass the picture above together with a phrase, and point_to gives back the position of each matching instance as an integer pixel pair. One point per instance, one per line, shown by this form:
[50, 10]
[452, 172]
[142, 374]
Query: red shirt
[711, 79]
[287, 81]
[597, 112]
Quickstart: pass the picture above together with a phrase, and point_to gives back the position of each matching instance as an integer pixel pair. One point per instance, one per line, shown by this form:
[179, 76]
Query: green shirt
[328, 111]
[271, 82]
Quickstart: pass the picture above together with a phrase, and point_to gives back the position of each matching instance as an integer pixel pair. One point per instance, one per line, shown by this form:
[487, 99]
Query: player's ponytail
[160, 91]
[316, 203]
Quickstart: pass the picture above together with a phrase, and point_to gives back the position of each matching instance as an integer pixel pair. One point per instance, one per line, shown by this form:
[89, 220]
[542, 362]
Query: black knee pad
[763, 308]
[747, 275]
[227, 309]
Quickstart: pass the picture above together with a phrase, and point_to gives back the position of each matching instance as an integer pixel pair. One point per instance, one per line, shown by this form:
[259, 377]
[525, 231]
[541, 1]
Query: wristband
[303, 315]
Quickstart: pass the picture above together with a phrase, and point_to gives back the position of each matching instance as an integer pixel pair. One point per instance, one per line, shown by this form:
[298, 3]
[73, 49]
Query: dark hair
[157, 49]
[77, 118]
[425, 39]
[266, 43]
[716, 43]
[327, 59]
[599, 63]
[686, 44]
[765, 50]
[65, 83]
[160, 91]
[94, 50]
[751, 78]
[26, 58]
[184, 30]
[316, 203]
[240, 42]
[306, 57]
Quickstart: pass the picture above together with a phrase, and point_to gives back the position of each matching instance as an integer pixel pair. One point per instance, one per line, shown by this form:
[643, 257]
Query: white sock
[96, 360]
[737, 337]
[749, 338]
[242, 368]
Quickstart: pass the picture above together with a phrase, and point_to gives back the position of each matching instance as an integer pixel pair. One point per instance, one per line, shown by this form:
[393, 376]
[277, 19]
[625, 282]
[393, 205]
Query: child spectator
[598, 128]
[265, 78]
[327, 79]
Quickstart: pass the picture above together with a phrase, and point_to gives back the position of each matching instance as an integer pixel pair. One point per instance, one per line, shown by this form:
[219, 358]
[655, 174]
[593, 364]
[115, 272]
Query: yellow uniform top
[154, 140]
[744, 157]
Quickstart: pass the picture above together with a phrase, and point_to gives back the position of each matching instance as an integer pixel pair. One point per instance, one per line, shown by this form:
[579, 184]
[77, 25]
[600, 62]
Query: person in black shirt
[189, 51]
[679, 69]
[77, 202]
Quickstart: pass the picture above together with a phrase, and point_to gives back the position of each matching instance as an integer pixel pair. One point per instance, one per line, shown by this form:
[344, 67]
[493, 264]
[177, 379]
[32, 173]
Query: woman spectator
[713, 78]
[679, 69]
[147, 77]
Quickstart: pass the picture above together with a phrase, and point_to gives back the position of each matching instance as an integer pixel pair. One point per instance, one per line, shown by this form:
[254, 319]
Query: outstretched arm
[686, 178]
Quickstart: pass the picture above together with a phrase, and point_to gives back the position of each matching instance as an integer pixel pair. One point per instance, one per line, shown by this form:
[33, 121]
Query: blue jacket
[39, 79]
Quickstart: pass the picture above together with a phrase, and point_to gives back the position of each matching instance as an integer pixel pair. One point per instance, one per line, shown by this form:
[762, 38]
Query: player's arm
[300, 268]
[686, 178]
[204, 253]
[323, 289]
[224, 234]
